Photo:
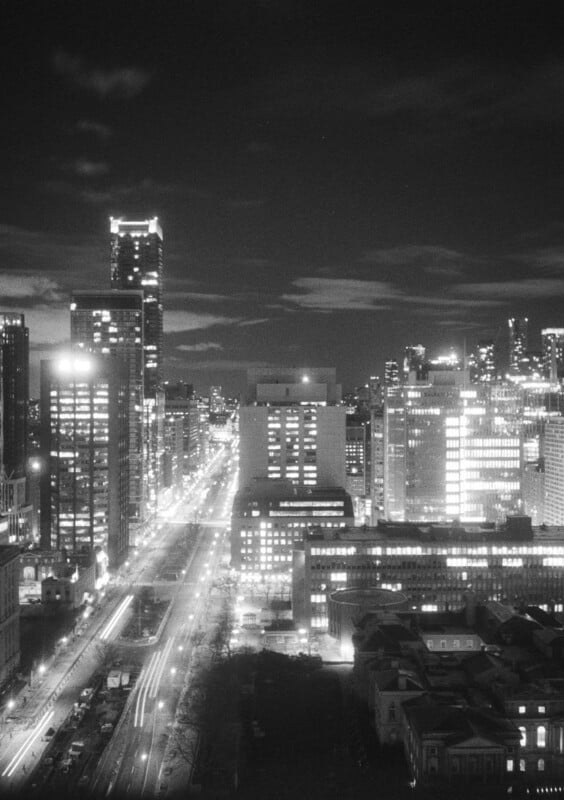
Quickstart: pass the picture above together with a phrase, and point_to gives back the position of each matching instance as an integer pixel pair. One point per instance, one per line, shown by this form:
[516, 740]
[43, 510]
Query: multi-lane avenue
[132, 761]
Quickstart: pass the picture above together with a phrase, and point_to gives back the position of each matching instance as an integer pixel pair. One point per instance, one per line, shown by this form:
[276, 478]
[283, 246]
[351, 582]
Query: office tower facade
[553, 353]
[111, 323]
[270, 516]
[137, 263]
[291, 427]
[414, 361]
[482, 363]
[377, 463]
[9, 612]
[518, 343]
[14, 339]
[554, 471]
[217, 401]
[391, 373]
[84, 447]
[357, 462]
[180, 402]
[449, 452]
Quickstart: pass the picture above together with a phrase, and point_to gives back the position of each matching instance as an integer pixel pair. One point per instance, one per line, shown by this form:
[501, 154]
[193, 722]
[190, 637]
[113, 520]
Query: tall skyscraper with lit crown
[137, 263]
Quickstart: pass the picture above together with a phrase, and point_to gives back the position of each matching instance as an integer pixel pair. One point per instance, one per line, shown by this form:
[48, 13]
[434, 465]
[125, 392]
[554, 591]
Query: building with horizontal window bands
[111, 323]
[437, 567]
[180, 402]
[269, 517]
[292, 427]
[9, 611]
[84, 445]
[452, 450]
[554, 471]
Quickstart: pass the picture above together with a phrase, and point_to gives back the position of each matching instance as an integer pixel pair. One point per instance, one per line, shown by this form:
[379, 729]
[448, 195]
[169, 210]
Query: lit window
[540, 765]
[542, 709]
[522, 709]
[509, 765]
[522, 765]
[523, 732]
[541, 736]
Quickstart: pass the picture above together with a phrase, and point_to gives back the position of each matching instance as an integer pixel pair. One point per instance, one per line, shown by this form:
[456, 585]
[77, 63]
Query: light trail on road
[26, 746]
[122, 608]
[143, 689]
[159, 672]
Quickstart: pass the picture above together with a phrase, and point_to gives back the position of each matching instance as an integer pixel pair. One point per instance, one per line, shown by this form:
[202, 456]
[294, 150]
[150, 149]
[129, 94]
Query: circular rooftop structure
[347, 606]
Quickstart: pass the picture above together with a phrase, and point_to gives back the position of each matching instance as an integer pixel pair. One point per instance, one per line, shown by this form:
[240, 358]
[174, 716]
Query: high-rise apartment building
[553, 353]
[482, 363]
[84, 447]
[449, 452]
[217, 401]
[391, 373]
[554, 471]
[291, 427]
[518, 343]
[137, 263]
[414, 361]
[14, 339]
[180, 402]
[111, 323]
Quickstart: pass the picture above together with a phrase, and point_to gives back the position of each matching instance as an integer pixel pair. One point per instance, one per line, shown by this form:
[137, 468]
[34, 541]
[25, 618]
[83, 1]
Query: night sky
[334, 180]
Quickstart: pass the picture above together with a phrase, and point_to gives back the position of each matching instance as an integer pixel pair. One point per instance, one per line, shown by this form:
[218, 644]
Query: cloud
[200, 347]
[351, 294]
[69, 260]
[204, 297]
[179, 321]
[247, 322]
[26, 287]
[434, 259]
[89, 169]
[98, 129]
[526, 288]
[124, 82]
[228, 365]
[332, 294]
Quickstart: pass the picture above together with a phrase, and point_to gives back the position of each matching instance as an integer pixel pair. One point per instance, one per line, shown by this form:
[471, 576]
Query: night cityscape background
[282, 404]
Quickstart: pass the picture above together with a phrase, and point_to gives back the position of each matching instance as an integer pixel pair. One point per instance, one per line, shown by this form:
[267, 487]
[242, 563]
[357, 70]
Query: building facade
[9, 612]
[554, 471]
[84, 445]
[137, 263]
[111, 323]
[291, 427]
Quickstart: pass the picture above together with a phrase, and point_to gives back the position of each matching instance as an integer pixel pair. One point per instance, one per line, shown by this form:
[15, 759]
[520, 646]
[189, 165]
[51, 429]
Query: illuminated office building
[291, 427]
[482, 363]
[270, 516]
[553, 353]
[137, 263]
[438, 568]
[180, 402]
[449, 452]
[554, 471]
[14, 340]
[391, 373]
[414, 361]
[84, 447]
[357, 461]
[217, 401]
[518, 343]
[111, 323]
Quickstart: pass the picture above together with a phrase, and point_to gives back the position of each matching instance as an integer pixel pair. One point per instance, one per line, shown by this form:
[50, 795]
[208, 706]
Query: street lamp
[173, 670]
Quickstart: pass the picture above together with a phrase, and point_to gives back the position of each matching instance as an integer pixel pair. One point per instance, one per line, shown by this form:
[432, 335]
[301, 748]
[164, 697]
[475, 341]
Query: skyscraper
[14, 339]
[450, 452]
[554, 471]
[291, 427]
[84, 445]
[414, 361]
[482, 363]
[111, 323]
[137, 263]
[553, 352]
[518, 343]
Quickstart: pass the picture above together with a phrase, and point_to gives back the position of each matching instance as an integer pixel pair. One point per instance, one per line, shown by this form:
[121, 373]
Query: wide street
[138, 739]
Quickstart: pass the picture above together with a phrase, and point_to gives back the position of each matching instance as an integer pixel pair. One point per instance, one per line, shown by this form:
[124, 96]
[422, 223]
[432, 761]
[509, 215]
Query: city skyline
[332, 186]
